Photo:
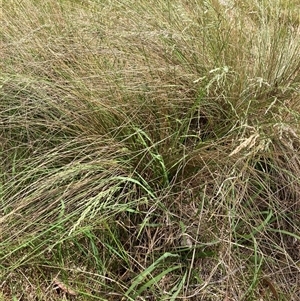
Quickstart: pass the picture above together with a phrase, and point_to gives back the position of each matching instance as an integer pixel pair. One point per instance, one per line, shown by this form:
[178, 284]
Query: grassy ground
[150, 150]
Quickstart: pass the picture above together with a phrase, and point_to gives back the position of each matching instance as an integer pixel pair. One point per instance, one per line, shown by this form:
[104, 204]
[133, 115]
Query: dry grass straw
[150, 150]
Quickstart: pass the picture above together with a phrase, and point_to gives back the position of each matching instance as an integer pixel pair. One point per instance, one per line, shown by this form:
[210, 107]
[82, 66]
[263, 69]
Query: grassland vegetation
[150, 150]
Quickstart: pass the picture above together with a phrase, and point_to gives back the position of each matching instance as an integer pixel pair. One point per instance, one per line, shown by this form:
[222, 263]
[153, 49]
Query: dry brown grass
[150, 150]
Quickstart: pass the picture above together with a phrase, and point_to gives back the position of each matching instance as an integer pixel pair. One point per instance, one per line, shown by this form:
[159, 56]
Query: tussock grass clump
[150, 150]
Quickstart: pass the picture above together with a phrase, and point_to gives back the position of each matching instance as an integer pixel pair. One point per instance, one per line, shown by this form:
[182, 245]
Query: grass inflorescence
[150, 150]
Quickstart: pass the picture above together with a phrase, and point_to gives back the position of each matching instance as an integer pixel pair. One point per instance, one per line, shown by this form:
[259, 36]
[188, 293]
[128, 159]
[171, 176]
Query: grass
[150, 150]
